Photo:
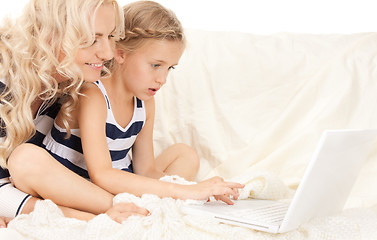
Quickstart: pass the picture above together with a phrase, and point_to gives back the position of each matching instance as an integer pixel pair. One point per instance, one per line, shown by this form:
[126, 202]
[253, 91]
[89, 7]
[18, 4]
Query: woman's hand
[4, 222]
[122, 211]
[215, 187]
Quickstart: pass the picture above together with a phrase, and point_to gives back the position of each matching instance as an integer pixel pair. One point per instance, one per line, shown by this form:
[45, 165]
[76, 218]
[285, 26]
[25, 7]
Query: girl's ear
[120, 56]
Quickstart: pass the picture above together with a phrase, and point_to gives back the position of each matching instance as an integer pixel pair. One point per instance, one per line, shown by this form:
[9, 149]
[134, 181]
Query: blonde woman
[45, 56]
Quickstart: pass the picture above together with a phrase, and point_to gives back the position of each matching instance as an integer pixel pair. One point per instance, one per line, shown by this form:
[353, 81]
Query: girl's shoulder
[91, 94]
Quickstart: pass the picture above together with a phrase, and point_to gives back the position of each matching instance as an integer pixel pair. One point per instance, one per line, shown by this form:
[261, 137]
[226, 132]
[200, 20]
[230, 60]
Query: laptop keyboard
[271, 213]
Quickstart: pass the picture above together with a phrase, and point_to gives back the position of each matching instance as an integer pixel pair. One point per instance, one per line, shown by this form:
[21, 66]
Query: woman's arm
[67, 212]
[118, 212]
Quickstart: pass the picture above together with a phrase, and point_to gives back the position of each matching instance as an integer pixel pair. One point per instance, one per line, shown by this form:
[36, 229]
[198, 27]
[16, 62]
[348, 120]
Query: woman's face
[91, 59]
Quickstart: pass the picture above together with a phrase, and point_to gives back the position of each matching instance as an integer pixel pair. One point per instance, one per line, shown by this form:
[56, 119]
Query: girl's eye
[170, 68]
[155, 65]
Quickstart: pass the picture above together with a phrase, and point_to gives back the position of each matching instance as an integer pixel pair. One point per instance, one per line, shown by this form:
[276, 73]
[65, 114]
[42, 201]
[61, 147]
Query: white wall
[265, 16]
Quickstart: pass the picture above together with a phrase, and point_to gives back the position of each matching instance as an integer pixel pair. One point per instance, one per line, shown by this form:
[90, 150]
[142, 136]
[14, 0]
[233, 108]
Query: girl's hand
[122, 211]
[4, 222]
[215, 187]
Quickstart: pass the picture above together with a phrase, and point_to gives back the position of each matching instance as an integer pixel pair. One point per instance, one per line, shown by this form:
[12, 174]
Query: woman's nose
[106, 51]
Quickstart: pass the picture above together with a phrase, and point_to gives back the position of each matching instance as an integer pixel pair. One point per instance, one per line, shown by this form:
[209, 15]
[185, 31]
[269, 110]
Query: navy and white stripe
[12, 200]
[120, 140]
[44, 122]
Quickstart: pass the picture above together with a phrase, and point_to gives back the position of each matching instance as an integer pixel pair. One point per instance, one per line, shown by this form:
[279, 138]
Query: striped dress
[120, 140]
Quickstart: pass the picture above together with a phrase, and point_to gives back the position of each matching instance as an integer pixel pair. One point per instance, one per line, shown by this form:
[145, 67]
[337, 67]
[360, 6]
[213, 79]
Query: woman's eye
[111, 36]
[155, 65]
[94, 42]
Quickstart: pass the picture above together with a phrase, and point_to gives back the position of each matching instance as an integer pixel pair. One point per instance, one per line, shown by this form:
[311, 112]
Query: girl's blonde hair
[149, 20]
[40, 44]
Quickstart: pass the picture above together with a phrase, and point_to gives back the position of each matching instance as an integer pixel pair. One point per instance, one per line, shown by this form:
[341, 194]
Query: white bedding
[168, 222]
[251, 105]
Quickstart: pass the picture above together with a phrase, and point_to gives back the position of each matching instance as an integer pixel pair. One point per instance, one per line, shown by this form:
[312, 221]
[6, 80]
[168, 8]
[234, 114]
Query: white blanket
[167, 221]
[251, 105]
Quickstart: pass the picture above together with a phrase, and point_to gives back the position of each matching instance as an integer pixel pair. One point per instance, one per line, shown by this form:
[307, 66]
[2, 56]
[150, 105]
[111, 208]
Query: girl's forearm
[151, 173]
[117, 181]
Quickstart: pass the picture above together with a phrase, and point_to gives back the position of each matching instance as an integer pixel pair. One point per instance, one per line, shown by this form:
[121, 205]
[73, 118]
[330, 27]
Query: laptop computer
[322, 191]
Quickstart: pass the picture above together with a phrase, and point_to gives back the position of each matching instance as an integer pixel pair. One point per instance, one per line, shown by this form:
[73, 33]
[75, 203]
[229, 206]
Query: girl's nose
[161, 80]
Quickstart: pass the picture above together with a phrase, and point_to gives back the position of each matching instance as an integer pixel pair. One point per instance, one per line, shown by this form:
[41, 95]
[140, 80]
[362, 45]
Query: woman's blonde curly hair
[40, 44]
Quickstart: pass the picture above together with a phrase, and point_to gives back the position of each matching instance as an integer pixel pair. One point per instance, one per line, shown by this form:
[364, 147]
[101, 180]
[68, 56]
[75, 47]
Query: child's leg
[179, 159]
[37, 173]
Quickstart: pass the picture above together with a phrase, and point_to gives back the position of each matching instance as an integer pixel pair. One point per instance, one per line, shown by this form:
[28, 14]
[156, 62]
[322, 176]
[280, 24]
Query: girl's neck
[116, 88]
[121, 100]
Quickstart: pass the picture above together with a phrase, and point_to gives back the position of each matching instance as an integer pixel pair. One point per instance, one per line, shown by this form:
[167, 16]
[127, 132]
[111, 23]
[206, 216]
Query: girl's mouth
[152, 91]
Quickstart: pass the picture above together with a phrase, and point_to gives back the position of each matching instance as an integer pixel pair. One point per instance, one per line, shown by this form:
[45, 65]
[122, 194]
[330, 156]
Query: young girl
[116, 114]
[44, 55]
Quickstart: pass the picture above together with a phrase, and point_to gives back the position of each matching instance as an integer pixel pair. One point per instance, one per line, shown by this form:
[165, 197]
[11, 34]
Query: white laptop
[323, 190]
